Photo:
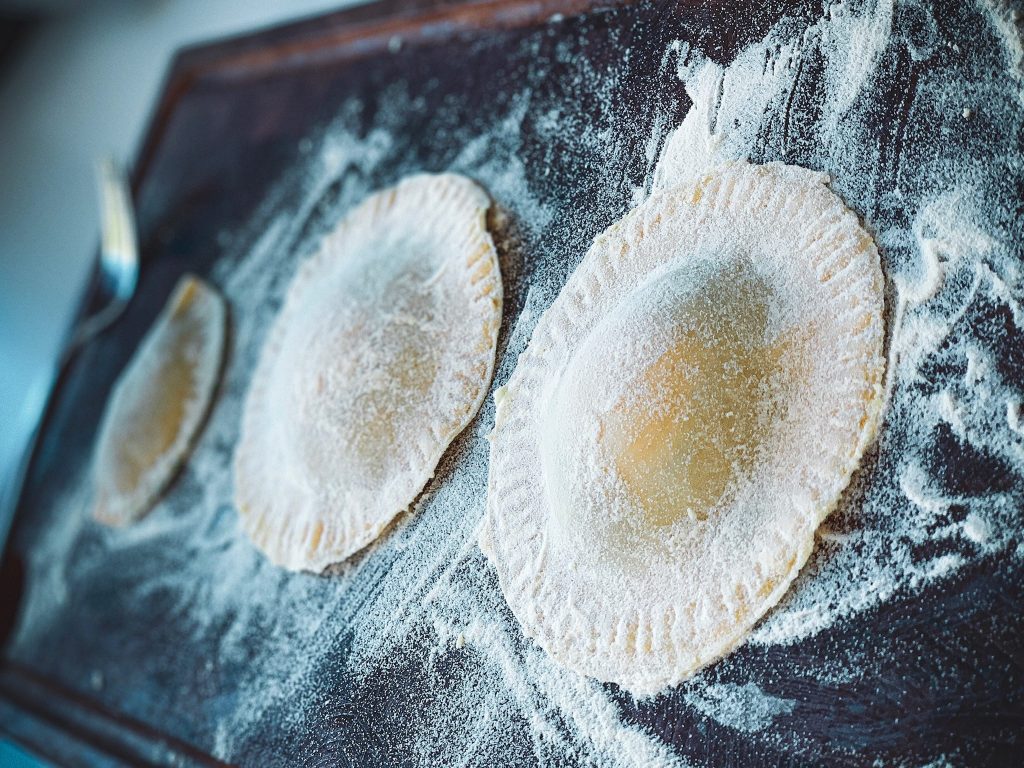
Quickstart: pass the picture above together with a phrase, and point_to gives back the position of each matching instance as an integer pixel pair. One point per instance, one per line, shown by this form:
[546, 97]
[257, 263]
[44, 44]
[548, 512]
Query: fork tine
[106, 182]
[118, 221]
[118, 264]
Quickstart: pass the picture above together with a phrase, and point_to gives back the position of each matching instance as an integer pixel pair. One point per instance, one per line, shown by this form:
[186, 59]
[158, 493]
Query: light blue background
[15, 757]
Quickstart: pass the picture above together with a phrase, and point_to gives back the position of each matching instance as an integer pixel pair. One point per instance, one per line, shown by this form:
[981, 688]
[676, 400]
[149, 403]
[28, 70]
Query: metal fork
[118, 267]
[117, 272]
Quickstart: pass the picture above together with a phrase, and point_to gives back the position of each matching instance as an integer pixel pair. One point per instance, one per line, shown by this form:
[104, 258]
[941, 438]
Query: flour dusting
[744, 707]
[407, 652]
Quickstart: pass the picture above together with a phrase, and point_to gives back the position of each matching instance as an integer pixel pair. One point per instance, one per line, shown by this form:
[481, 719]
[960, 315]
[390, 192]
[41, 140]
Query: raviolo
[687, 412]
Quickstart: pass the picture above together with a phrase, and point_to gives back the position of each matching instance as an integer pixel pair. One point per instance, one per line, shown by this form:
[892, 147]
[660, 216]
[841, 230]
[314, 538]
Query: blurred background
[78, 79]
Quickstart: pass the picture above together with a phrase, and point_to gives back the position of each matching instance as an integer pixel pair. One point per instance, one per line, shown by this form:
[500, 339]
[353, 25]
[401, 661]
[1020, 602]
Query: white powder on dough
[585, 384]
[381, 355]
[482, 687]
[867, 553]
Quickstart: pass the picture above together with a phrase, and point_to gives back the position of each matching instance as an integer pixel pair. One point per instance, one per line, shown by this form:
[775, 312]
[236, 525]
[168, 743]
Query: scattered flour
[409, 645]
[744, 707]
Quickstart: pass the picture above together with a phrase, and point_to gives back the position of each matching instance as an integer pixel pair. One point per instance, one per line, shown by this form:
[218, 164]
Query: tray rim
[354, 32]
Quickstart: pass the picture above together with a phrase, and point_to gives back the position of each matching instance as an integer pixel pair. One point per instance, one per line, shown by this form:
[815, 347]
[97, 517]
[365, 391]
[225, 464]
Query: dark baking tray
[943, 671]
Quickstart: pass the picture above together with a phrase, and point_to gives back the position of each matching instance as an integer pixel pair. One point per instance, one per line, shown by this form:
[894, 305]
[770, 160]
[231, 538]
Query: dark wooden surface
[943, 673]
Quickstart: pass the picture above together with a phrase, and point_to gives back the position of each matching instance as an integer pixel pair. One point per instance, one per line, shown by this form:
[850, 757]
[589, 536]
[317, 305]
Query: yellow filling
[693, 423]
[156, 422]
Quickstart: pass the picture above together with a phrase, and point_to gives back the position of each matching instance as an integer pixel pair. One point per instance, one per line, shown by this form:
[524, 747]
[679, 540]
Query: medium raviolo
[687, 412]
[158, 403]
[382, 354]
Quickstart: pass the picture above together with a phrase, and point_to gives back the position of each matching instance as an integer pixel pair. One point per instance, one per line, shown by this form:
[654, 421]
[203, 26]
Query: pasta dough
[382, 354]
[687, 412]
[159, 403]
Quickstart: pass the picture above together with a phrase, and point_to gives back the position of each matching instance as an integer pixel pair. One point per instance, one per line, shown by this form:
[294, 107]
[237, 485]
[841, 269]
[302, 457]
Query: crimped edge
[279, 537]
[132, 508]
[615, 648]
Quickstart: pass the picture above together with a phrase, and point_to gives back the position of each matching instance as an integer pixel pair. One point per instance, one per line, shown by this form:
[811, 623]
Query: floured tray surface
[900, 641]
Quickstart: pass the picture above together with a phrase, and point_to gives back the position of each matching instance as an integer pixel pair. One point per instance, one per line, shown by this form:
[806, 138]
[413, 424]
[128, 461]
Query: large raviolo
[381, 355]
[687, 412]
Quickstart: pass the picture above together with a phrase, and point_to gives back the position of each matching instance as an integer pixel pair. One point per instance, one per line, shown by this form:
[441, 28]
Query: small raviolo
[158, 403]
[687, 412]
[381, 355]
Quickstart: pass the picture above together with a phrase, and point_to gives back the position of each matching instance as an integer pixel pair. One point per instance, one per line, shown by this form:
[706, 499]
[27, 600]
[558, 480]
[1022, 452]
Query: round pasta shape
[687, 412]
[381, 355]
[158, 404]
